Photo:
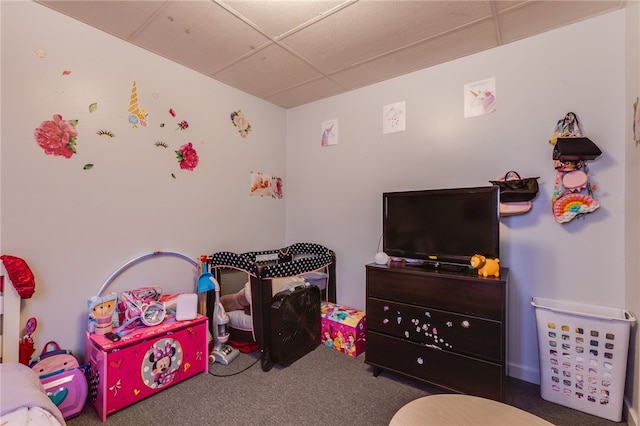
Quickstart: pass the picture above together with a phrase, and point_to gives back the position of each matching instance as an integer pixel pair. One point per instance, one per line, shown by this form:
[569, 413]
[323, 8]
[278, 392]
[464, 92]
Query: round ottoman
[454, 409]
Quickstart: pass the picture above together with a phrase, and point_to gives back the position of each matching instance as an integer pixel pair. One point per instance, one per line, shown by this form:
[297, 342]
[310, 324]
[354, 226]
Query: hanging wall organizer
[573, 191]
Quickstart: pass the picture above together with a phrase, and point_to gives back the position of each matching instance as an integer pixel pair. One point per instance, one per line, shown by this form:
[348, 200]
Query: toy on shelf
[486, 266]
[103, 313]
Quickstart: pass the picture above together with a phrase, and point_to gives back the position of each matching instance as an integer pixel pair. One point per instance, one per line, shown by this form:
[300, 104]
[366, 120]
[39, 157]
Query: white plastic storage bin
[583, 355]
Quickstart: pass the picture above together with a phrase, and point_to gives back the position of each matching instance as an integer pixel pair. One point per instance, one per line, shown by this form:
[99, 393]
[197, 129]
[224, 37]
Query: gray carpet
[325, 387]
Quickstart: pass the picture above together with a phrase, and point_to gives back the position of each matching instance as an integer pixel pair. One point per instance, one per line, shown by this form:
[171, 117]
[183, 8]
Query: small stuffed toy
[486, 266]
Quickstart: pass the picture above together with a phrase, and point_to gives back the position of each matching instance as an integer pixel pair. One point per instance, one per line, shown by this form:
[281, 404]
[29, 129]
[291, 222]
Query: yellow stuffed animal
[486, 267]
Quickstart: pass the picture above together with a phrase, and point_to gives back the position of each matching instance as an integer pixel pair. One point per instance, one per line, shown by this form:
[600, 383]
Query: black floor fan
[295, 324]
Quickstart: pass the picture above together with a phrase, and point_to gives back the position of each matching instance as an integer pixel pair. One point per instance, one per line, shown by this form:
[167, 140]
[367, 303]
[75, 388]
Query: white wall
[74, 227]
[632, 189]
[335, 192]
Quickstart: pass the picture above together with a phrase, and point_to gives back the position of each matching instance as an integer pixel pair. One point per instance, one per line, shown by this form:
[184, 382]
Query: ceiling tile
[507, 4]
[118, 18]
[304, 93]
[281, 16]
[456, 44]
[533, 18]
[370, 28]
[201, 34]
[267, 72]
[280, 50]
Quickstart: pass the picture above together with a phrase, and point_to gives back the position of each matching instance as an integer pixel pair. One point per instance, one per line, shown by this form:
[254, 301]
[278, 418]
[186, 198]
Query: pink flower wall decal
[183, 125]
[277, 187]
[57, 136]
[187, 157]
[240, 122]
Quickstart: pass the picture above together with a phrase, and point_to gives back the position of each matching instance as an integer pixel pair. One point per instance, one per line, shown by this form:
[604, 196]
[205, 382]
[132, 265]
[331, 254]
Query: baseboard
[524, 373]
[631, 416]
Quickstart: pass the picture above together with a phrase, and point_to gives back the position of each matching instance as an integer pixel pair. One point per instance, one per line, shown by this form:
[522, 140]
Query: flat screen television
[442, 226]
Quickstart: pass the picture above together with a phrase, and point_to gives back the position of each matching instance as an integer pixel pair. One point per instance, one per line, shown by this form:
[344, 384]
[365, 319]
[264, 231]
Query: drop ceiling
[293, 52]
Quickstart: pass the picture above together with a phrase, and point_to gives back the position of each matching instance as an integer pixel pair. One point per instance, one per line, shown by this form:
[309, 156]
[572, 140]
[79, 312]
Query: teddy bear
[486, 266]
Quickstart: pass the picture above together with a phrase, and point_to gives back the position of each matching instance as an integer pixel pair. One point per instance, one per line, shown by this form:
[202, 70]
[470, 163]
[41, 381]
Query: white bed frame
[9, 318]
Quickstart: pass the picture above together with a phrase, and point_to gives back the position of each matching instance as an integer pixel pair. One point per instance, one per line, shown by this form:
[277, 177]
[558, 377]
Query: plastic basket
[583, 355]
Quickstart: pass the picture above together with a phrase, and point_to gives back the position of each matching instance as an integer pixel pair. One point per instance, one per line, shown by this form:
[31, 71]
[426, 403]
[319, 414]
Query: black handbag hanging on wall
[575, 149]
[513, 188]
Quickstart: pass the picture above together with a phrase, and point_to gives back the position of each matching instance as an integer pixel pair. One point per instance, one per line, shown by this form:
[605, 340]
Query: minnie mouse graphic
[161, 359]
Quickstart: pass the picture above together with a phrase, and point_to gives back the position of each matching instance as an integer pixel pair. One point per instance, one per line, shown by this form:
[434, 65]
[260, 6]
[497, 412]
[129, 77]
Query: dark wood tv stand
[444, 328]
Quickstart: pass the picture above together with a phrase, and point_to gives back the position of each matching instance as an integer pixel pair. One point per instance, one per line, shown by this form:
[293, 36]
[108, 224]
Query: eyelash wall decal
[161, 144]
[105, 133]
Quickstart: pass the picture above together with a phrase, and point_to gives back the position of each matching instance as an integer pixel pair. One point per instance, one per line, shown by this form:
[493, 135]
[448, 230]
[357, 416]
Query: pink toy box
[144, 362]
[343, 328]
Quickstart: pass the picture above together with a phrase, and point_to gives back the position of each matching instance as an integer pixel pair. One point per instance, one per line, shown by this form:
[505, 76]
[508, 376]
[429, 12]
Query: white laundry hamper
[583, 355]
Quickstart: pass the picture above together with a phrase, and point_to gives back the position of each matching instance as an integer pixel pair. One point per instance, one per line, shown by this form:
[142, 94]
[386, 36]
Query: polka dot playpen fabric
[262, 268]
[305, 257]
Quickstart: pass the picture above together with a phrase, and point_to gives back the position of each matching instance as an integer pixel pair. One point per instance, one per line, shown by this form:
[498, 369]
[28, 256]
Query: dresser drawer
[464, 293]
[463, 334]
[442, 368]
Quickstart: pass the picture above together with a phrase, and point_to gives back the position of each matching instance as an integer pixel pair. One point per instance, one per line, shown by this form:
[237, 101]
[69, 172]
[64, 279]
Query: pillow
[280, 284]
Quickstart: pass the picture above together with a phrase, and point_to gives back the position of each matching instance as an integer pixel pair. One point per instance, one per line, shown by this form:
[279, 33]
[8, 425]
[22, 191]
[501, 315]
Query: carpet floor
[324, 387]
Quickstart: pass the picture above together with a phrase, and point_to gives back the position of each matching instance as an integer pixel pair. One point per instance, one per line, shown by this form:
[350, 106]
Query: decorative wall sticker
[137, 115]
[93, 107]
[172, 112]
[41, 53]
[480, 98]
[106, 133]
[57, 136]
[161, 144]
[240, 122]
[260, 184]
[276, 185]
[329, 133]
[187, 157]
[636, 122]
[266, 185]
[183, 125]
[393, 118]
[88, 166]
[66, 72]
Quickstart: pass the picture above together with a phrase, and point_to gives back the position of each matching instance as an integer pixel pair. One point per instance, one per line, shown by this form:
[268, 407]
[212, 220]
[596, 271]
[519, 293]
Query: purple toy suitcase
[68, 390]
